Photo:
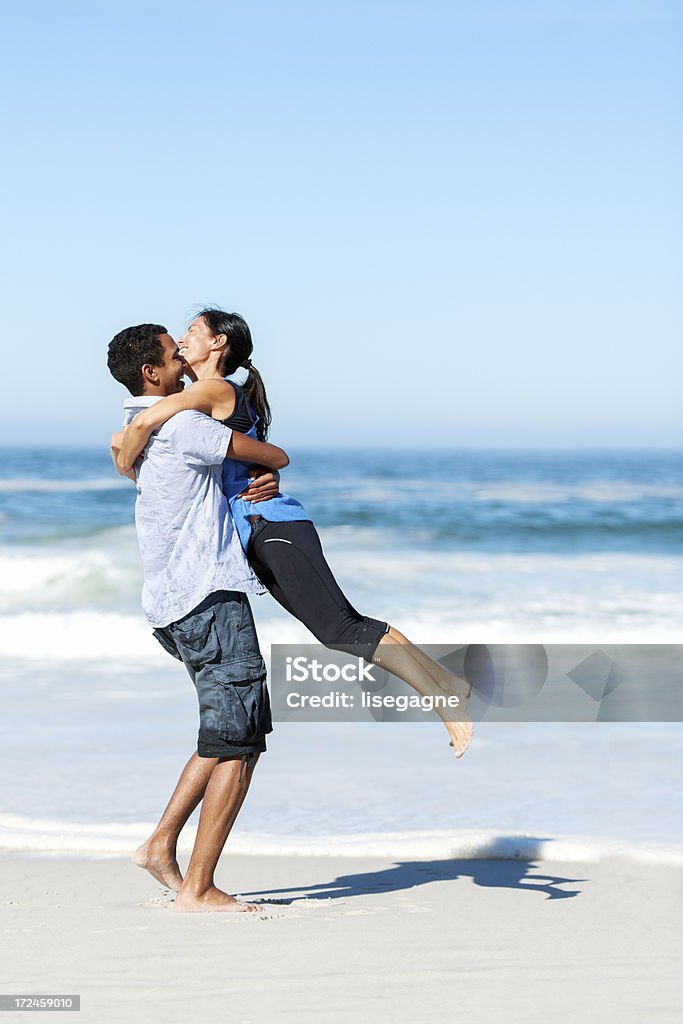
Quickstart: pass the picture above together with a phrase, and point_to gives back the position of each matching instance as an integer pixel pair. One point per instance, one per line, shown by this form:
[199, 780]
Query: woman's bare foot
[461, 734]
[160, 862]
[397, 655]
[458, 722]
[211, 900]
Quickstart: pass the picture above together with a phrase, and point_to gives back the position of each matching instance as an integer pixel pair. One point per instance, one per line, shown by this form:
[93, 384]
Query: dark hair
[237, 353]
[130, 350]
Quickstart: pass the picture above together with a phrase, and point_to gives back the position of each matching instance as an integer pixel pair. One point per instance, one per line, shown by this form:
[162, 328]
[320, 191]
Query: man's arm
[248, 449]
[241, 447]
[202, 441]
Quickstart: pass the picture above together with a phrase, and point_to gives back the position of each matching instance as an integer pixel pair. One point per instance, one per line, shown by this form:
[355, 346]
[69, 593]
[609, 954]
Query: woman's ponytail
[255, 392]
[237, 353]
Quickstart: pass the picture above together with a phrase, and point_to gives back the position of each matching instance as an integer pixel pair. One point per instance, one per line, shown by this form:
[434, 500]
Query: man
[195, 581]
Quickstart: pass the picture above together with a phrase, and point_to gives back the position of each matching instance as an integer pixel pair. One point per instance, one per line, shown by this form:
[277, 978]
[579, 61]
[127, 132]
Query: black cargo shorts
[217, 643]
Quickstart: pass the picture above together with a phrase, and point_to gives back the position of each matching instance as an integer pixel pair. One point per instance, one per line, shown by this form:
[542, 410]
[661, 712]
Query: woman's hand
[115, 449]
[134, 438]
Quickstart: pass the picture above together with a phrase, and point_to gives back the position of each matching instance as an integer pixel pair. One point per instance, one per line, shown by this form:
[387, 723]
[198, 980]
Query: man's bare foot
[211, 901]
[160, 862]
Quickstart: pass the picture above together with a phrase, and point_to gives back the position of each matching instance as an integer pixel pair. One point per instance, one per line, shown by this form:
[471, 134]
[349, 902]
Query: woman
[279, 538]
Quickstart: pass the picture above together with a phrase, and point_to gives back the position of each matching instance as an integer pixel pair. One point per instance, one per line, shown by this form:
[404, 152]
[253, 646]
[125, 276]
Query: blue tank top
[283, 509]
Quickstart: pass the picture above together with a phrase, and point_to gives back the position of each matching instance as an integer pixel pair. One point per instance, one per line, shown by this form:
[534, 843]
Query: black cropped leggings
[288, 559]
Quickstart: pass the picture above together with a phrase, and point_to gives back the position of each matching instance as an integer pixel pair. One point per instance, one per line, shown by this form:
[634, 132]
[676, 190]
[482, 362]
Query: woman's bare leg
[398, 655]
[289, 559]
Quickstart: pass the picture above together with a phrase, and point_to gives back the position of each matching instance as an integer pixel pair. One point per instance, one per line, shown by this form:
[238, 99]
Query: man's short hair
[130, 350]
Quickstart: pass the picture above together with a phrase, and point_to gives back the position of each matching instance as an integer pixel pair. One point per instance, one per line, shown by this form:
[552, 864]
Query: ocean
[449, 546]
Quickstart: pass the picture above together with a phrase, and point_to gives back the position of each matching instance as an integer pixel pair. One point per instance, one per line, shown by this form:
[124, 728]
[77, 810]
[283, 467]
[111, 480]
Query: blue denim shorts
[217, 644]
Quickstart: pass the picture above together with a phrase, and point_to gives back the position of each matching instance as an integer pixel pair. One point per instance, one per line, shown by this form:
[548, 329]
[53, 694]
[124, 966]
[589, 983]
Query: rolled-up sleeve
[198, 439]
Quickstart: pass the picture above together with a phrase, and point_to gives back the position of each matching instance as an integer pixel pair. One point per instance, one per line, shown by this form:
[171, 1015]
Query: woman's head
[223, 340]
[217, 337]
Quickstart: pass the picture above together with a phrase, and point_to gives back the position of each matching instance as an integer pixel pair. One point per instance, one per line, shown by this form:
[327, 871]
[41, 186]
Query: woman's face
[197, 342]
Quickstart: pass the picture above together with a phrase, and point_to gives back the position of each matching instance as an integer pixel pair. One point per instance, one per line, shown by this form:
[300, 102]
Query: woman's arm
[212, 397]
[114, 448]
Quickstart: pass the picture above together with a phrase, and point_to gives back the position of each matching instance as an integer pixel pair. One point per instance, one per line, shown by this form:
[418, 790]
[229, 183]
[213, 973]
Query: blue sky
[450, 224]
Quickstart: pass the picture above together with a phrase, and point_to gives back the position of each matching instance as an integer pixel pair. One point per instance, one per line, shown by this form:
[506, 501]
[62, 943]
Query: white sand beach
[351, 939]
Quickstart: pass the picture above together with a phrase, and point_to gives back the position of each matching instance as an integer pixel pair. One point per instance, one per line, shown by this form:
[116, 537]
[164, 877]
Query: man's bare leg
[223, 799]
[403, 659]
[158, 854]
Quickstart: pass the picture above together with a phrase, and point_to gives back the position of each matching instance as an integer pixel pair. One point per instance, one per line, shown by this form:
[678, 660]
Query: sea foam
[23, 835]
[34, 484]
[78, 636]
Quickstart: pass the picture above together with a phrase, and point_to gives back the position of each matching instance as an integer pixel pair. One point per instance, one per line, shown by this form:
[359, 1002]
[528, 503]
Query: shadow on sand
[492, 873]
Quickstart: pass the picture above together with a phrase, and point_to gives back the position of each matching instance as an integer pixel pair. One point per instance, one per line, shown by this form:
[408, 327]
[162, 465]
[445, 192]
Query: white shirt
[189, 545]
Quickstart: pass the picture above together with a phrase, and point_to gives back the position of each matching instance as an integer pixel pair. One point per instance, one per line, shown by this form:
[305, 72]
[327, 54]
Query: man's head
[146, 360]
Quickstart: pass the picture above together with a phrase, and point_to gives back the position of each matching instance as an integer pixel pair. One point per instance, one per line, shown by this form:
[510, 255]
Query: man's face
[171, 374]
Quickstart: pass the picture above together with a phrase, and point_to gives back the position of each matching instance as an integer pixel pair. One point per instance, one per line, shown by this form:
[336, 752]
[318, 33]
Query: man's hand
[264, 485]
